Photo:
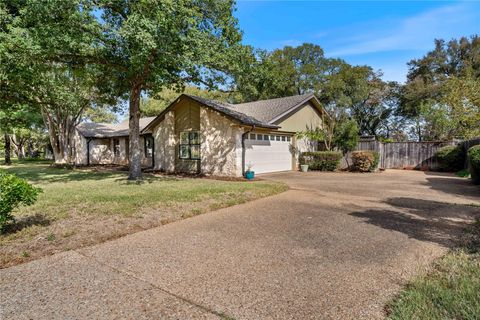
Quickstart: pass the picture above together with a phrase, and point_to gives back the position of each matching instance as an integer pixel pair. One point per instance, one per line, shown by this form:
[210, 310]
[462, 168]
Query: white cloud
[412, 33]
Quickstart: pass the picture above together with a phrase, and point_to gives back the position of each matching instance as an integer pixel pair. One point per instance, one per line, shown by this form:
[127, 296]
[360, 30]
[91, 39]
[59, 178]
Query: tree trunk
[135, 170]
[8, 150]
[59, 147]
[59, 132]
[19, 144]
[30, 148]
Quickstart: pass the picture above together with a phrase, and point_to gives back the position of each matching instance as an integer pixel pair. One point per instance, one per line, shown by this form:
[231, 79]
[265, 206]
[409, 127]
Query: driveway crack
[126, 273]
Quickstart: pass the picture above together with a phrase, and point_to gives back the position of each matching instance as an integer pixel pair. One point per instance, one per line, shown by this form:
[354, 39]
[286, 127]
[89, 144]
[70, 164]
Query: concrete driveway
[335, 246]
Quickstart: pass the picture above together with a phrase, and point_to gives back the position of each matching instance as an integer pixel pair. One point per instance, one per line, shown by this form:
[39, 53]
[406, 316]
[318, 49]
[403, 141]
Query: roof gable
[221, 107]
[271, 109]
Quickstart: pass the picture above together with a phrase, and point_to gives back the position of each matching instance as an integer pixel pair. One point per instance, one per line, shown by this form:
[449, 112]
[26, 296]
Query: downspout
[88, 151]
[244, 136]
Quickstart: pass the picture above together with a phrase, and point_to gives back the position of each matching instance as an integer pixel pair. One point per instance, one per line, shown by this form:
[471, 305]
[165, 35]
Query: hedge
[365, 160]
[450, 158]
[474, 163]
[321, 160]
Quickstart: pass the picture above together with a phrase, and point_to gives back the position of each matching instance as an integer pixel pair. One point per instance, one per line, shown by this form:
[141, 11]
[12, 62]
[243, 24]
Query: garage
[268, 152]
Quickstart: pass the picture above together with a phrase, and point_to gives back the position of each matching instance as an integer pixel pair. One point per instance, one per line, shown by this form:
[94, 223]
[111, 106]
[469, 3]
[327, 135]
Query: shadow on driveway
[423, 220]
[457, 186]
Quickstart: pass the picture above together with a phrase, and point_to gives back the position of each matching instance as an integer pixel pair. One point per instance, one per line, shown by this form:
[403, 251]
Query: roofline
[89, 136]
[109, 137]
[300, 104]
[171, 105]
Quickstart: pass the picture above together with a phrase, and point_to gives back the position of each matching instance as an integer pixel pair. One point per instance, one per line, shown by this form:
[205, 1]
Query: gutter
[244, 136]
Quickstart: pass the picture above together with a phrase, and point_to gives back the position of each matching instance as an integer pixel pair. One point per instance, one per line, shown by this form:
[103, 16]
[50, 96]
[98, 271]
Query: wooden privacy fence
[407, 155]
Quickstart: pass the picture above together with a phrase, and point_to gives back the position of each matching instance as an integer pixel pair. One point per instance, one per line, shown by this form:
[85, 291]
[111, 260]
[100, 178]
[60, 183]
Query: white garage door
[268, 152]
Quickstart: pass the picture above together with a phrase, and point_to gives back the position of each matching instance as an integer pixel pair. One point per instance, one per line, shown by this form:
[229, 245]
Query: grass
[464, 173]
[83, 206]
[451, 290]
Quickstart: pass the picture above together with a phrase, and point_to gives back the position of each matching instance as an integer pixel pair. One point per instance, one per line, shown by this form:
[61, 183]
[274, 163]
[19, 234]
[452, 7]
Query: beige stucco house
[196, 135]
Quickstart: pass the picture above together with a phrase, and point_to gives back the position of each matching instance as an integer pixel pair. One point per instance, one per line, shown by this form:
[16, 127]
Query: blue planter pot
[250, 175]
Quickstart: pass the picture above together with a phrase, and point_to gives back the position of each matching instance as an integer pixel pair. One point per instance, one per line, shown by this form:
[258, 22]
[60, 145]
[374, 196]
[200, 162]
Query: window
[252, 136]
[116, 147]
[272, 138]
[265, 137]
[259, 136]
[148, 146]
[288, 139]
[284, 138]
[189, 145]
[278, 138]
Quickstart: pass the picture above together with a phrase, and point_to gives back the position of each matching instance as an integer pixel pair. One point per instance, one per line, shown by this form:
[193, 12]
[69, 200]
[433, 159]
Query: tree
[439, 90]
[8, 149]
[33, 88]
[146, 48]
[344, 90]
[462, 95]
[346, 136]
[152, 106]
[282, 72]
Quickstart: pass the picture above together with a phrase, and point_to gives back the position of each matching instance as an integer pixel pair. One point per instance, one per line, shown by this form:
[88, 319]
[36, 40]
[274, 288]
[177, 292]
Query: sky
[383, 34]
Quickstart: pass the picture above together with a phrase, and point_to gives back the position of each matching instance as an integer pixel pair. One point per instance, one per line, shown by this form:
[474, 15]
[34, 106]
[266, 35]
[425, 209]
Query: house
[196, 135]
[105, 143]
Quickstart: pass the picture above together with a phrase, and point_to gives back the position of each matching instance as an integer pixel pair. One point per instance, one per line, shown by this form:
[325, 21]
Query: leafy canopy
[441, 92]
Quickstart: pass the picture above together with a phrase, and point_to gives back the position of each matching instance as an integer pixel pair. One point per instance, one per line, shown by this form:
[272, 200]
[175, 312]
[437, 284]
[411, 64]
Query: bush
[321, 160]
[365, 160]
[14, 192]
[474, 163]
[450, 158]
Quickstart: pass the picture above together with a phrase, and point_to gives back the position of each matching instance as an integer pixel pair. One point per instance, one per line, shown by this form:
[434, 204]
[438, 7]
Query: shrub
[14, 192]
[321, 160]
[474, 163]
[365, 160]
[450, 158]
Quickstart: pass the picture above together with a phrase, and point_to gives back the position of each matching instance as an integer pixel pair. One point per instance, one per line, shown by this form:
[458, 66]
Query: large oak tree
[146, 46]
[135, 47]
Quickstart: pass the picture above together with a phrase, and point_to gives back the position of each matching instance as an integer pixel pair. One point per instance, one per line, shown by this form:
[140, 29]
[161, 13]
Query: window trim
[189, 145]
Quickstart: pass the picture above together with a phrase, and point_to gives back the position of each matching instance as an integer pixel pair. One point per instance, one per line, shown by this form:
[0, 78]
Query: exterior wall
[187, 118]
[307, 117]
[165, 143]
[221, 144]
[101, 151]
[122, 158]
[80, 149]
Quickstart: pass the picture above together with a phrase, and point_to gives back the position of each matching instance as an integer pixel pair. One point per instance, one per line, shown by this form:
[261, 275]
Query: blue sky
[382, 34]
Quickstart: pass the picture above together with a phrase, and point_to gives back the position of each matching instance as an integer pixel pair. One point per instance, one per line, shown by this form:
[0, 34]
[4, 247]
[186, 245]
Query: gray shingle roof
[259, 113]
[229, 110]
[109, 130]
[269, 110]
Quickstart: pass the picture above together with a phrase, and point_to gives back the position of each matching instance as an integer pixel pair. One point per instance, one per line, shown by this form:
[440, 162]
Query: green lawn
[451, 290]
[83, 207]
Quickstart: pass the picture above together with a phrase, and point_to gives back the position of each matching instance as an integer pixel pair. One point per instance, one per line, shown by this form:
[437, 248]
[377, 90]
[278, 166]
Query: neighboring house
[196, 135]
